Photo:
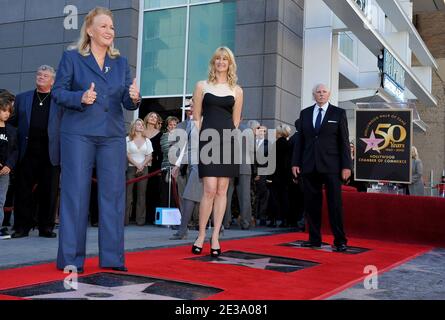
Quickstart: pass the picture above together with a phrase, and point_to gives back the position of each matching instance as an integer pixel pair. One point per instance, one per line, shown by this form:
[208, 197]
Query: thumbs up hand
[134, 92]
[90, 95]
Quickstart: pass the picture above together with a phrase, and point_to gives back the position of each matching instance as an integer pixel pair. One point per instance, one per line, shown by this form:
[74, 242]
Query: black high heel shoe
[214, 253]
[196, 249]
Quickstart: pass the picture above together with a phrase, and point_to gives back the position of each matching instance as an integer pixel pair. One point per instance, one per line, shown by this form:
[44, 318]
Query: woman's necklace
[41, 100]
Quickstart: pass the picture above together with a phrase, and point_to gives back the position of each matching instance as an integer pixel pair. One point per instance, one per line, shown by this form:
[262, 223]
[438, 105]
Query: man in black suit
[296, 195]
[322, 156]
[37, 119]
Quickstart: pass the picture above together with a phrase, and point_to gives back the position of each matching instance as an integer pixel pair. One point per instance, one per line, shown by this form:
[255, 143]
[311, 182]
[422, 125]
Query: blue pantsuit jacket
[92, 136]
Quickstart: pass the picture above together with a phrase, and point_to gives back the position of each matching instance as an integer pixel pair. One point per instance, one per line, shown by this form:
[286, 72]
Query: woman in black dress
[218, 100]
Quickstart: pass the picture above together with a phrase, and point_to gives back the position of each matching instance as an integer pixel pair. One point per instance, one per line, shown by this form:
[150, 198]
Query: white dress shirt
[259, 142]
[323, 113]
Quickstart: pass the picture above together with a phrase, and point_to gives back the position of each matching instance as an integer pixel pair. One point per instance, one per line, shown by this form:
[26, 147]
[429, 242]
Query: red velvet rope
[148, 176]
[128, 182]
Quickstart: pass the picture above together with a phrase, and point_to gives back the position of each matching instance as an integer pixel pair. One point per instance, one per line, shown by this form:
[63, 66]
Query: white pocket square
[332, 121]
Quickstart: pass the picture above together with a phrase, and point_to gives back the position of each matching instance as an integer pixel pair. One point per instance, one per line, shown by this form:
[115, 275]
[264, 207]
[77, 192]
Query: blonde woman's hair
[159, 123]
[132, 132]
[414, 153]
[283, 130]
[83, 45]
[232, 78]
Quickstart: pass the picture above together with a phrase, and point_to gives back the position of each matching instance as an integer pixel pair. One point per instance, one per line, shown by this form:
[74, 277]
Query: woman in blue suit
[93, 83]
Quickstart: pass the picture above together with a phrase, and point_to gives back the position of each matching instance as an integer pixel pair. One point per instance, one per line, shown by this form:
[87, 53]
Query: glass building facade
[178, 40]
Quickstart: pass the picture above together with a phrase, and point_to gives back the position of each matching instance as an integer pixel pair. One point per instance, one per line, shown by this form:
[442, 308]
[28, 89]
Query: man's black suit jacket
[325, 152]
[264, 152]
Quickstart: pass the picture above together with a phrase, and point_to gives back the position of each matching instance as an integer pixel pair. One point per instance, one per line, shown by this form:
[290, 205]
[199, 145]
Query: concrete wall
[431, 144]
[430, 26]
[32, 34]
[269, 40]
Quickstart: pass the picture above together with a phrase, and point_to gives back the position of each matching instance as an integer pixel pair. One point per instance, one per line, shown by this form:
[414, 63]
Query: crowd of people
[66, 146]
[258, 200]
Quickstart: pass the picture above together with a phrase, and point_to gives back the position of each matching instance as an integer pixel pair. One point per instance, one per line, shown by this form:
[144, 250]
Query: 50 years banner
[383, 145]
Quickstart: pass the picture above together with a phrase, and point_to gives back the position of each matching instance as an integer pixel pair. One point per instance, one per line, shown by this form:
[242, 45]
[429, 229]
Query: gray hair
[283, 130]
[318, 85]
[253, 124]
[45, 67]
[414, 153]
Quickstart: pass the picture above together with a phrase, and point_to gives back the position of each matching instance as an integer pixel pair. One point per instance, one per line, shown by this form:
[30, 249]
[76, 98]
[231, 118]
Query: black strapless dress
[217, 114]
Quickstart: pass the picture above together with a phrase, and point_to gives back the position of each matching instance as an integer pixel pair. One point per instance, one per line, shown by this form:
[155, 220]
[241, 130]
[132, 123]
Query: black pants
[313, 198]
[261, 198]
[38, 207]
[296, 204]
[153, 195]
[279, 202]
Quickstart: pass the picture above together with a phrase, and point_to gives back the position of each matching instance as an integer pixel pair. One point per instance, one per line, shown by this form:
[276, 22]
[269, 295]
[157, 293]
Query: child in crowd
[8, 151]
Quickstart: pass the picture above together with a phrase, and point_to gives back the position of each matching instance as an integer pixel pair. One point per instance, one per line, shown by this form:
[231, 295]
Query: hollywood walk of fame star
[96, 292]
[260, 263]
[372, 143]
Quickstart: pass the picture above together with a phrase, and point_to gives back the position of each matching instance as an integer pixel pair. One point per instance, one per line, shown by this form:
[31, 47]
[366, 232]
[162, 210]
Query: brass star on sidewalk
[260, 263]
[95, 292]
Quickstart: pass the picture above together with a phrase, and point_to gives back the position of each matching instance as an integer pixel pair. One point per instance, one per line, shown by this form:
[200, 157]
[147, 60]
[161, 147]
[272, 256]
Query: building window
[361, 4]
[179, 37]
[211, 26]
[162, 70]
[346, 45]
[156, 4]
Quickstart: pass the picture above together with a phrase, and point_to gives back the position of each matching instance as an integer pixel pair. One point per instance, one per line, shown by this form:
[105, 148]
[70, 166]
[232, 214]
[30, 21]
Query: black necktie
[318, 120]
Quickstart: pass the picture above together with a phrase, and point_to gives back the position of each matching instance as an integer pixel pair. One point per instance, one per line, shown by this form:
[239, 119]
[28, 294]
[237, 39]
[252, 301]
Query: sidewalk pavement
[35, 250]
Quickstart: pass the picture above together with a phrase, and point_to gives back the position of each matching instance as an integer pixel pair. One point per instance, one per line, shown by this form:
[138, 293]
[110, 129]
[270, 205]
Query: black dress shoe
[308, 244]
[20, 234]
[340, 248]
[47, 234]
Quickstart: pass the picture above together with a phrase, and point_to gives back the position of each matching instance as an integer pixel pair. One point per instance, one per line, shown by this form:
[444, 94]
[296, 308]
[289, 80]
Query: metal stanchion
[169, 185]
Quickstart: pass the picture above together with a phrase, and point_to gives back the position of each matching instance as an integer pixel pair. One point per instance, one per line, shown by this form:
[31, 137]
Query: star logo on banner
[260, 263]
[96, 292]
[372, 143]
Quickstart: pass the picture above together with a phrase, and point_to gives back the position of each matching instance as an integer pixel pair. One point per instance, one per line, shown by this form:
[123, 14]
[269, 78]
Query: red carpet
[335, 272]
[394, 218]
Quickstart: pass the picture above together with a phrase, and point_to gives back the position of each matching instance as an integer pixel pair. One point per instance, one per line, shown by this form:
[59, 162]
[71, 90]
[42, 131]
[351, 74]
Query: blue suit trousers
[79, 154]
